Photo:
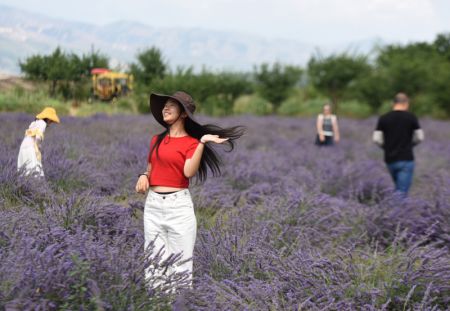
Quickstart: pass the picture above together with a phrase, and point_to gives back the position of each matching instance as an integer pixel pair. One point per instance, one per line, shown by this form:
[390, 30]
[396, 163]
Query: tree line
[62, 70]
[421, 69]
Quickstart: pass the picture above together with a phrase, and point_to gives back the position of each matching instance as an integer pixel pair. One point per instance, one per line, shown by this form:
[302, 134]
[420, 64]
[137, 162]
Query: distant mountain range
[23, 34]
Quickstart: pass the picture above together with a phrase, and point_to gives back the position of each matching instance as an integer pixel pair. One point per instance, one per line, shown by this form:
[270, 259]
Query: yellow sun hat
[48, 113]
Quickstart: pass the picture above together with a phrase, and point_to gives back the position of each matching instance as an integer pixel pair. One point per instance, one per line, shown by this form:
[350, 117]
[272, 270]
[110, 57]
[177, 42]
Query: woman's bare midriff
[165, 189]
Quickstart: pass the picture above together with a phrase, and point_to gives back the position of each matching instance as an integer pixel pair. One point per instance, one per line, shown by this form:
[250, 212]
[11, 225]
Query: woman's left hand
[213, 138]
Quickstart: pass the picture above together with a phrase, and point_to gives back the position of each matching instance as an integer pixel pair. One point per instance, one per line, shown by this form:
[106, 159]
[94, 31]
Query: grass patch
[382, 271]
[207, 216]
[20, 100]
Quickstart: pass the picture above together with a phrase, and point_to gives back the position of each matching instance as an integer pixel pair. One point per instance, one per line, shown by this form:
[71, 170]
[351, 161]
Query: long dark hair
[210, 157]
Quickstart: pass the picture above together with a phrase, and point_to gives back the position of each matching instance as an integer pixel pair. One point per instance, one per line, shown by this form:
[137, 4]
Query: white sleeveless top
[34, 134]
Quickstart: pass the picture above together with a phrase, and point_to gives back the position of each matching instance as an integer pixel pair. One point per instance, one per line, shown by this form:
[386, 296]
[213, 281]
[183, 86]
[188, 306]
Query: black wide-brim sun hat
[157, 102]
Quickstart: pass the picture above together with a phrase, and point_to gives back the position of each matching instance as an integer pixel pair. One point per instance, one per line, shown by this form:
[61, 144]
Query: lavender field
[288, 226]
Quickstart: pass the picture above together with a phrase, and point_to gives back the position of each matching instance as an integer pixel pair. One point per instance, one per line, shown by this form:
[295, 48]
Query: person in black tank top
[327, 128]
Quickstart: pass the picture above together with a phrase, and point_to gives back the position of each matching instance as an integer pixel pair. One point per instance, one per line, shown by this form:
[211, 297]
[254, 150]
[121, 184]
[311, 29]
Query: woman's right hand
[212, 138]
[321, 137]
[142, 184]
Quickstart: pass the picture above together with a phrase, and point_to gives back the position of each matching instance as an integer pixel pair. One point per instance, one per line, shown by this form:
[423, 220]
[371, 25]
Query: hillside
[24, 33]
[8, 82]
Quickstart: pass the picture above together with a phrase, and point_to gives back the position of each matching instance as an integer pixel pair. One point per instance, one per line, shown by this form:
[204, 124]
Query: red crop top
[168, 166]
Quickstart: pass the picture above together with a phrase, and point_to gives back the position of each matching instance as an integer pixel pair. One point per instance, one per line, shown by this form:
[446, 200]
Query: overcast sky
[309, 21]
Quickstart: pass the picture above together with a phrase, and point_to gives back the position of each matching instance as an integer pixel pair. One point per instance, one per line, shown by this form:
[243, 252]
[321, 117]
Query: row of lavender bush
[289, 226]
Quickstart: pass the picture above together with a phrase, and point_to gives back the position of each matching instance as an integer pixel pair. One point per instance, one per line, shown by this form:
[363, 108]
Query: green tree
[35, 67]
[274, 82]
[441, 74]
[93, 60]
[57, 69]
[335, 75]
[442, 45]
[419, 69]
[439, 87]
[214, 92]
[67, 73]
[53, 68]
[407, 68]
[150, 65]
[372, 89]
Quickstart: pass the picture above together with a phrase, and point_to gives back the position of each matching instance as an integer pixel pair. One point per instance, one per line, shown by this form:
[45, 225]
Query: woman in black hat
[183, 150]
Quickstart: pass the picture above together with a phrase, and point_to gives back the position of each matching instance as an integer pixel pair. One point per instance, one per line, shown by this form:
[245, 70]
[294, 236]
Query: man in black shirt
[397, 132]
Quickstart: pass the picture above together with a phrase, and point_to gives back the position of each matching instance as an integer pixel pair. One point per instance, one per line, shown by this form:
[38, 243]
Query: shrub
[354, 109]
[252, 104]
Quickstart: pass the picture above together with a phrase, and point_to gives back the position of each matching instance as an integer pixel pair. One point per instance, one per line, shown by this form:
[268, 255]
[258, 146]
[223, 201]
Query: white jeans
[170, 221]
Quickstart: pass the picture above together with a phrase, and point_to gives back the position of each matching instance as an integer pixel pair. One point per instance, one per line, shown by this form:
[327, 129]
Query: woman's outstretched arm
[192, 165]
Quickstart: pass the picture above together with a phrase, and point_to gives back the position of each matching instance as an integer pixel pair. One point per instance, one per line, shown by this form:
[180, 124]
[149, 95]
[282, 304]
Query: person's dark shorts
[329, 141]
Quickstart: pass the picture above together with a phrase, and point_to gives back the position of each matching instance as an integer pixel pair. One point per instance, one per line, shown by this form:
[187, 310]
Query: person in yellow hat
[30, 159]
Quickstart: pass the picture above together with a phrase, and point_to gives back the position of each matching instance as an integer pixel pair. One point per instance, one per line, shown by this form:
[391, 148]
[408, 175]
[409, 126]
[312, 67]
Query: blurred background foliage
[357, 85]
